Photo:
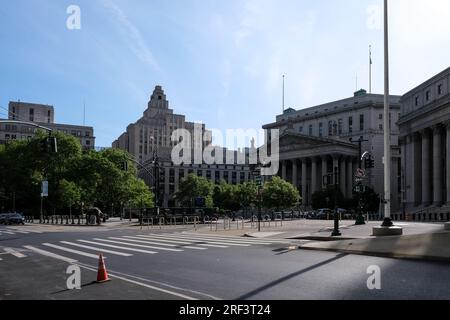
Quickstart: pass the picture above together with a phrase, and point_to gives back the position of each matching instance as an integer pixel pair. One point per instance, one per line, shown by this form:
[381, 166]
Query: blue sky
[219, 61]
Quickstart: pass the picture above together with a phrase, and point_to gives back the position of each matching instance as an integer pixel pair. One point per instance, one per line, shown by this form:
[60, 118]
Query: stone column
[283, 169]
[314, 176]
[426, 165]
[294, 173]
[335, 165]
[437, 166]
[416, 170]
[324, 170]
[166, 186]
[447, 161]
[342, 175]
[349, 177]
[304, 181]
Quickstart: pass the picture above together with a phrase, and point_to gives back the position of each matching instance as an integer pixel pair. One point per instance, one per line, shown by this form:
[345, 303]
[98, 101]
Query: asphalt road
[168, 264]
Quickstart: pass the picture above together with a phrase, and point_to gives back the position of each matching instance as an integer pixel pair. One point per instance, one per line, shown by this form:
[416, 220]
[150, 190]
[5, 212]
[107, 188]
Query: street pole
[336, 232]
[42, 211]
[14, 202]
[387, 130]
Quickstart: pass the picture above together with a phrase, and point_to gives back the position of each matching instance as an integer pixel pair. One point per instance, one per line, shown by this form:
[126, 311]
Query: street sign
[44, 189]
[258, 181]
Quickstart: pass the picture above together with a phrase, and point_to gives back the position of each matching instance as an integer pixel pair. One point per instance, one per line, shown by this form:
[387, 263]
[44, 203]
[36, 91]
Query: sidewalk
[427, 241]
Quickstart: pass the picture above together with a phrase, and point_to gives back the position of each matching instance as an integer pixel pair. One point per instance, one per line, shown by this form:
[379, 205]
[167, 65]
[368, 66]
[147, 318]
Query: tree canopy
[280, 194]
[90, 177]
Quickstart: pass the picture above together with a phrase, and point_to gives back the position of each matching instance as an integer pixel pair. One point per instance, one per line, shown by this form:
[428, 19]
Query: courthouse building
[313, 141]
[425, 144]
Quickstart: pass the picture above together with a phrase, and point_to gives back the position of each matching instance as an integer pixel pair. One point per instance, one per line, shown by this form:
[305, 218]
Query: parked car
[324, 214]
[15, 218]
[4, 217]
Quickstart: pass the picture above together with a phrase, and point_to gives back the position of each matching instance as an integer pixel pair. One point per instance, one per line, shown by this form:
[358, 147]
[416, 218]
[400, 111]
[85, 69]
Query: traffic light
[124, 166]
[49, 144]
[369, 163]
[53, 144]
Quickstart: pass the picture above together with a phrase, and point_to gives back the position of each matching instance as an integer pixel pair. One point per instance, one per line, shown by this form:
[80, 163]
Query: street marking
[184, 242]
[236, 240]
[51, 255]
[97, 249]
[14, 253]
[81, 253]
[118, 247]
[139, 245]
[19, 231]
[249, 239]
[209, 241]
[33, 231]
[180, 295]
[8, 232]
[140, 240]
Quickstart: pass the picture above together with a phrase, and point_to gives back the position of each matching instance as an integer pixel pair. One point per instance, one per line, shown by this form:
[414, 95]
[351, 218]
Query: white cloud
[132, 35]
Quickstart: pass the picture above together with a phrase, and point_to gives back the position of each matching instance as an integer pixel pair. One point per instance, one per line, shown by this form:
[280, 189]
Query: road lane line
[113, 275]
[81, 253]
[138, 245]
[97, 249]
[8, 232]
[183, 242]
[51, 255]
[118, 247]
[140, 240]
[15, 253]
[19, 231]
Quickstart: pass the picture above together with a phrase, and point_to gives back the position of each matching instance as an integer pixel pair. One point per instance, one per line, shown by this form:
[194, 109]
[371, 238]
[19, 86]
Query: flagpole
[387, 130]
[370, 69]
[283, 94]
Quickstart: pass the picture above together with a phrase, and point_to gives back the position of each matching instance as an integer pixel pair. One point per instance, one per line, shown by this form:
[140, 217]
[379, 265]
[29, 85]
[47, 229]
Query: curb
[380, 254]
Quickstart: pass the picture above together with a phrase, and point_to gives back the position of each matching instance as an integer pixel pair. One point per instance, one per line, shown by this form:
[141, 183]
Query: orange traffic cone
[102, 275]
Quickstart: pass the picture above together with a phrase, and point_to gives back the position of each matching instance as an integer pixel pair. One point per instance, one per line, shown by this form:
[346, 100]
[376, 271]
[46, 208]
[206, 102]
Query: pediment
[290, 141]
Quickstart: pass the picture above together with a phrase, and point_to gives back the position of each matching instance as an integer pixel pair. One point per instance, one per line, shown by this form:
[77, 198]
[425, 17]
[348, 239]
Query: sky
[219, 61]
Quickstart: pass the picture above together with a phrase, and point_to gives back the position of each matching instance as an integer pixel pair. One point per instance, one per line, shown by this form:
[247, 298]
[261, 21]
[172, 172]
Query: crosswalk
[12, 231]
[146, 244]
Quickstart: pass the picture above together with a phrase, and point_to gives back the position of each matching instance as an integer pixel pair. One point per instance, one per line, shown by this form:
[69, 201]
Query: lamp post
[359, 218]
[336, 232]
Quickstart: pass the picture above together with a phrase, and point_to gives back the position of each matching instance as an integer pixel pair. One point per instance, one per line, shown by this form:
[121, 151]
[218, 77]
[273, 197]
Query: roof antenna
[283, 93]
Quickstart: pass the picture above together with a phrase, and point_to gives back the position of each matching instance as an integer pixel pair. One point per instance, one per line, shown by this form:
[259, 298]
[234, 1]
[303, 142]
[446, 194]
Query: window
[330, 128]
[427, 95]
[440, 89]
[361, 122]
[381, 127]
[88, 142]
[300, 129]
[334, 128]
[340, 126]
[380, 117]
[310, 129]
[31, 114]
[320, 129]
[417, 101]
[350, 124]
[87, 134]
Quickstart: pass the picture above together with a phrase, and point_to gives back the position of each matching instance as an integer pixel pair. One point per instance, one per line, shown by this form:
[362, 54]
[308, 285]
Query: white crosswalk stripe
[97, 249]
[51, 254]
[18, 231]
[15, 253]
[256, 240]
[117, 247]
[140, 240]
[8, 232]
[182, 242]
[138, 245]
[207, 240]
[81, 253]
[230, 240]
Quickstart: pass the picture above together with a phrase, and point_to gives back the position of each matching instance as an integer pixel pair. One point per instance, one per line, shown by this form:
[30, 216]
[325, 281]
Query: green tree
[280, 194]
[247, 194]
[192, 187]
[225, 196]
[69, 194]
